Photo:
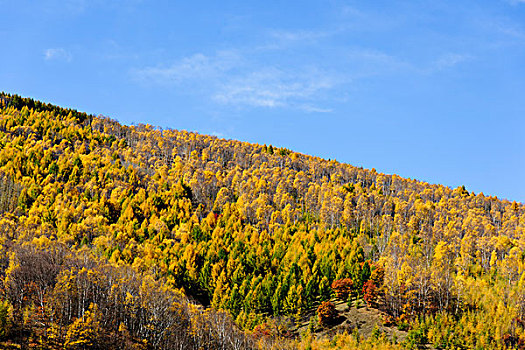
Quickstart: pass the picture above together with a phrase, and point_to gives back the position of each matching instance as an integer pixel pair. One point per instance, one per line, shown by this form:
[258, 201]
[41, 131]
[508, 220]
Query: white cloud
[367, 63]
[218, 134]
[314, 109]
[450, 60]
[79, 7]
[371, 62]
[272, 87]
[195, 67]
[229, 78]
[58, 54]
[508, 28]
[76, 6]
[364, 63]
[301, 36]
[241, 79]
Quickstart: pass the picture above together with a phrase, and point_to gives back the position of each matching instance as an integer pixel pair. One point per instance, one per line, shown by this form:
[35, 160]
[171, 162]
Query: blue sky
[431, 90]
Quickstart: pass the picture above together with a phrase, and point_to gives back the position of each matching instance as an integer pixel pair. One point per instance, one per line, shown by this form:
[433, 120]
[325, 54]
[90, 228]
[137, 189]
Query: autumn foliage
[370, 292]
[260, 232]
[326, 313]
[343, 288]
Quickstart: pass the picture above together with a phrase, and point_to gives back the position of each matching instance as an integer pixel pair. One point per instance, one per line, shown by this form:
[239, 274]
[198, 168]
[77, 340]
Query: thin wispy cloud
[364, 63]
[218, 134]
[450, 60]
[301, 36]
[57, 54]
[272, 87]
[232, 78]
[374, 57]
[509, 28]
[229, 78]
[349, 11]
[372, 62]
[195, 67]
[79, 7]
[301, 69]
[314, 109]
[76, 6]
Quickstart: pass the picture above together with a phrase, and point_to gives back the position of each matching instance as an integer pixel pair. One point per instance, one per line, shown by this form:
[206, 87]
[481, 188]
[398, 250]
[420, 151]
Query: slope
[259, 231]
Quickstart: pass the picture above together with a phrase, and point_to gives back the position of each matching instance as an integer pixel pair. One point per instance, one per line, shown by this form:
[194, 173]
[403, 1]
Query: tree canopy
[91, 209]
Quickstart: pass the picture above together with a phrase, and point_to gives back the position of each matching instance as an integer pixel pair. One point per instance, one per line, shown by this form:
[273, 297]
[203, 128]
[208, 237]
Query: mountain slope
[258, 231]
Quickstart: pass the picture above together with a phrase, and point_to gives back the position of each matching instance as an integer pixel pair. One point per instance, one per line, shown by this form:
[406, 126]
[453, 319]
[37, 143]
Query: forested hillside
[106, 230]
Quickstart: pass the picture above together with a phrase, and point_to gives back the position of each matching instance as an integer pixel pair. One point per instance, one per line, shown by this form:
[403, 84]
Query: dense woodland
[119, 236]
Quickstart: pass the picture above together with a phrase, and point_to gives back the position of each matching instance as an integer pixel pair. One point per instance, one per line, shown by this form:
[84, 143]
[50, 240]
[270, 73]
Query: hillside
[111, 227]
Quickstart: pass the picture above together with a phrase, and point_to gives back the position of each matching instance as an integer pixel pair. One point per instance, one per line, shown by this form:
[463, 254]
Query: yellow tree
[84, 331]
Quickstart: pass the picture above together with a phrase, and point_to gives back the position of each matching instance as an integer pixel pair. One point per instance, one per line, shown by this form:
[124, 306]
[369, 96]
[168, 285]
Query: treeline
[18, 102]
[263, 232]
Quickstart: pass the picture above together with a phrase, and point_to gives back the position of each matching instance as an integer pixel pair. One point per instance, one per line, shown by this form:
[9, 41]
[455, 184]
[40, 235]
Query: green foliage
[415, 339]
[5, 318]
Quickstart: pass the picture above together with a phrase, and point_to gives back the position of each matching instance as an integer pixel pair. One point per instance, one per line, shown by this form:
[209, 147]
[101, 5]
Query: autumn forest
[138, 237]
